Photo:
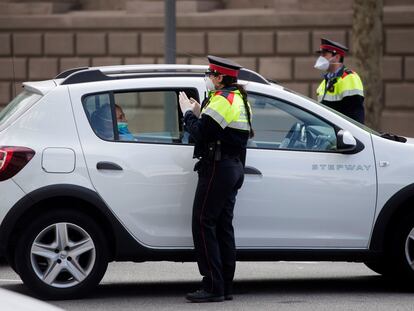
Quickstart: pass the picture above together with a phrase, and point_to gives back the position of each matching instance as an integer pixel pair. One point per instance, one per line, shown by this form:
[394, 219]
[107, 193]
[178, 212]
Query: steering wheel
[296, 133]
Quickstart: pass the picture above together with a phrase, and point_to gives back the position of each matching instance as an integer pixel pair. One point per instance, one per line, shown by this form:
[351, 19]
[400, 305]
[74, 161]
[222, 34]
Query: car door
[300, 191]
[144, 171]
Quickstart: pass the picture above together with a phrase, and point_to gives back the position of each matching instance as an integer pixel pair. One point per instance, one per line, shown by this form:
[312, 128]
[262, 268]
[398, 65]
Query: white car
[76, 193]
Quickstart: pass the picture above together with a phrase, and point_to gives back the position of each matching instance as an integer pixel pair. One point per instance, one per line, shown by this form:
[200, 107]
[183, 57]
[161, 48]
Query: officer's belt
[229, 157]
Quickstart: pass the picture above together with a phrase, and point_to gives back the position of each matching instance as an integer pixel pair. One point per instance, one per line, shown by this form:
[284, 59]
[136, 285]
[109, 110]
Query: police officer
[220, 134]
[341, 88]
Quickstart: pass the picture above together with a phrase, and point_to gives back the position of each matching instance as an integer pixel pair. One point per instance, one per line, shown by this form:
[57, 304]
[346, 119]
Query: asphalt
[301, 286]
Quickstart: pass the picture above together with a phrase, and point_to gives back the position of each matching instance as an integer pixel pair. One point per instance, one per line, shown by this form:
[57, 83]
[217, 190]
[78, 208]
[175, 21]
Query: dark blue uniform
[220, 175]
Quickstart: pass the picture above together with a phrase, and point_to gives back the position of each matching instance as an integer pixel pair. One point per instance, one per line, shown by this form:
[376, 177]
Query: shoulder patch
[347, 72]
[227, 95]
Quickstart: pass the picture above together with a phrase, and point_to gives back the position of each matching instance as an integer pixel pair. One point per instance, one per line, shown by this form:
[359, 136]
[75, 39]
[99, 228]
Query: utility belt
[208, 151]
[212, 153]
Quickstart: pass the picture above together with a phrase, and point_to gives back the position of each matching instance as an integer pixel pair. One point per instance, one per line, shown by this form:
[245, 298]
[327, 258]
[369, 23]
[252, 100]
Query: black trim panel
[350, 255]
[393, 205]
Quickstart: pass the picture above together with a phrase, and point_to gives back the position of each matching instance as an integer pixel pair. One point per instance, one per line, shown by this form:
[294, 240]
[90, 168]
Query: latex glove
[187, 105]
[196, 107]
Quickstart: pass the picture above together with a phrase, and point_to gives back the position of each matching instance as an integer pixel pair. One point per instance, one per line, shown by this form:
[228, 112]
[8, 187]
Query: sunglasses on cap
[324, 51]
[212, 73]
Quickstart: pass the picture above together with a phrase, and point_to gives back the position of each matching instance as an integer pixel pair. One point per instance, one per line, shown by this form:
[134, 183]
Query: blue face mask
[123, 128]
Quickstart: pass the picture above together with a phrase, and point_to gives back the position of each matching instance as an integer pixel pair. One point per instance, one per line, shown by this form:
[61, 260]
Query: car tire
[401, 249]
[61, 255]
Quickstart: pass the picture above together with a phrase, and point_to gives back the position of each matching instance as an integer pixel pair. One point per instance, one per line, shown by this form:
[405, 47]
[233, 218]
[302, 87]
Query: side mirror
[346, 143]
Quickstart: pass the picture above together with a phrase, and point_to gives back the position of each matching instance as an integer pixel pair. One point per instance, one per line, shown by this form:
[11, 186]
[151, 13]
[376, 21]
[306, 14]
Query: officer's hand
[185, 103]
[196, 107]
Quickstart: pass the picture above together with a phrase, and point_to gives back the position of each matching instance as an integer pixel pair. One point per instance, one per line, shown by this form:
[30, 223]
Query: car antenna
[184, 53]
[14, 74]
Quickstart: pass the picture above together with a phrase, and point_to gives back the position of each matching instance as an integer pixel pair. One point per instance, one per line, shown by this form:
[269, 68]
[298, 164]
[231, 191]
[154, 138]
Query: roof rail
[93, 74]
[66, 73]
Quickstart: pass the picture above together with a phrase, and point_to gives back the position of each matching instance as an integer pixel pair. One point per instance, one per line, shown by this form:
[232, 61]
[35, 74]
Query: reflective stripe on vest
[348, 85]
[227, 109]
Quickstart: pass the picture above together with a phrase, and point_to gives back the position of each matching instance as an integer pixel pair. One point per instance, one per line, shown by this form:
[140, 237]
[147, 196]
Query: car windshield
[19, 104]
[360, 125]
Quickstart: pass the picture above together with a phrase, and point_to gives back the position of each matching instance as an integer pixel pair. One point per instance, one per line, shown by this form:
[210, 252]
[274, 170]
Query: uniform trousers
[213, 233]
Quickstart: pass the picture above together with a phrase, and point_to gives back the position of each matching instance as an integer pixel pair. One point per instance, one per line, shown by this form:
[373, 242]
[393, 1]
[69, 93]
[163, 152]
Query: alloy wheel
[63, 255]
[409, 249]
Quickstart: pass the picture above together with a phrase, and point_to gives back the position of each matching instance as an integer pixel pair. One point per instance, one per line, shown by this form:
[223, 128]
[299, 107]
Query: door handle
[108, 166]
[249, 170]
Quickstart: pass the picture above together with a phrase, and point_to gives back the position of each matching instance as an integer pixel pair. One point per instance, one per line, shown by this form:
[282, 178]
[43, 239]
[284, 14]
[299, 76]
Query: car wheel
[402, 249]
[61, 255]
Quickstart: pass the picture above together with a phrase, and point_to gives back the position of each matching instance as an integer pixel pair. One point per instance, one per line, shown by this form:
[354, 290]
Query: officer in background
[220, 133]
[341, 88]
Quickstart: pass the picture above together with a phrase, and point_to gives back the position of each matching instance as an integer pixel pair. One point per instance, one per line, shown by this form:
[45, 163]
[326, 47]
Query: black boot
[228, 292]
[228, 296]
[202, 296]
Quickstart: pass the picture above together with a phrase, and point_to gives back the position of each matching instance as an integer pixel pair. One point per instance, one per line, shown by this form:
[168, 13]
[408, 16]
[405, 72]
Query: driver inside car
[122, 123]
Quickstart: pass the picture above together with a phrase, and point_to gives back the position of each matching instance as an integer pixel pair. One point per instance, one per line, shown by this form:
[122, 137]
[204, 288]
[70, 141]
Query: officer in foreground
[341, 88]
[220, 133]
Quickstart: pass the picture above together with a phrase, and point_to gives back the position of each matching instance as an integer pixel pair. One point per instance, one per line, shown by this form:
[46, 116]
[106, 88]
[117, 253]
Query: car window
[17, 106]
[281, 125]
[148, 116]
[362, 126]
[151, 116]
[99, 112]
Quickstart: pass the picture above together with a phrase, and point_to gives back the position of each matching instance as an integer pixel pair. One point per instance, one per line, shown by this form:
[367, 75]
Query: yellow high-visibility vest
[348, 84]
[228, 110]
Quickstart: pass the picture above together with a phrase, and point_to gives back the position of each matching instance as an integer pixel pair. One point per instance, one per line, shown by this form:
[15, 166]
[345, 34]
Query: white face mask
[322, 63]
[209, 84]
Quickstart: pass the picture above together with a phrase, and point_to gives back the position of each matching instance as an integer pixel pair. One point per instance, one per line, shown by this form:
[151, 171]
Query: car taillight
[13, 159]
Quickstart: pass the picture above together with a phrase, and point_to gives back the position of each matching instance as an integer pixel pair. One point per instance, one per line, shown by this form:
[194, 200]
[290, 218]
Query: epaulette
[347, 72]
[227, 95]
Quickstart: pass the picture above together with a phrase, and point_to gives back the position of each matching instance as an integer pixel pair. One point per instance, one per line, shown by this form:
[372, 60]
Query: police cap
[223, 66]
[332, 46]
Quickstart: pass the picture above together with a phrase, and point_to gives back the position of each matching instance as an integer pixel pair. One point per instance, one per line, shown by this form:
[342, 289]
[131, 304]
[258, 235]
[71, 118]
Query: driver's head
[120, 115]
